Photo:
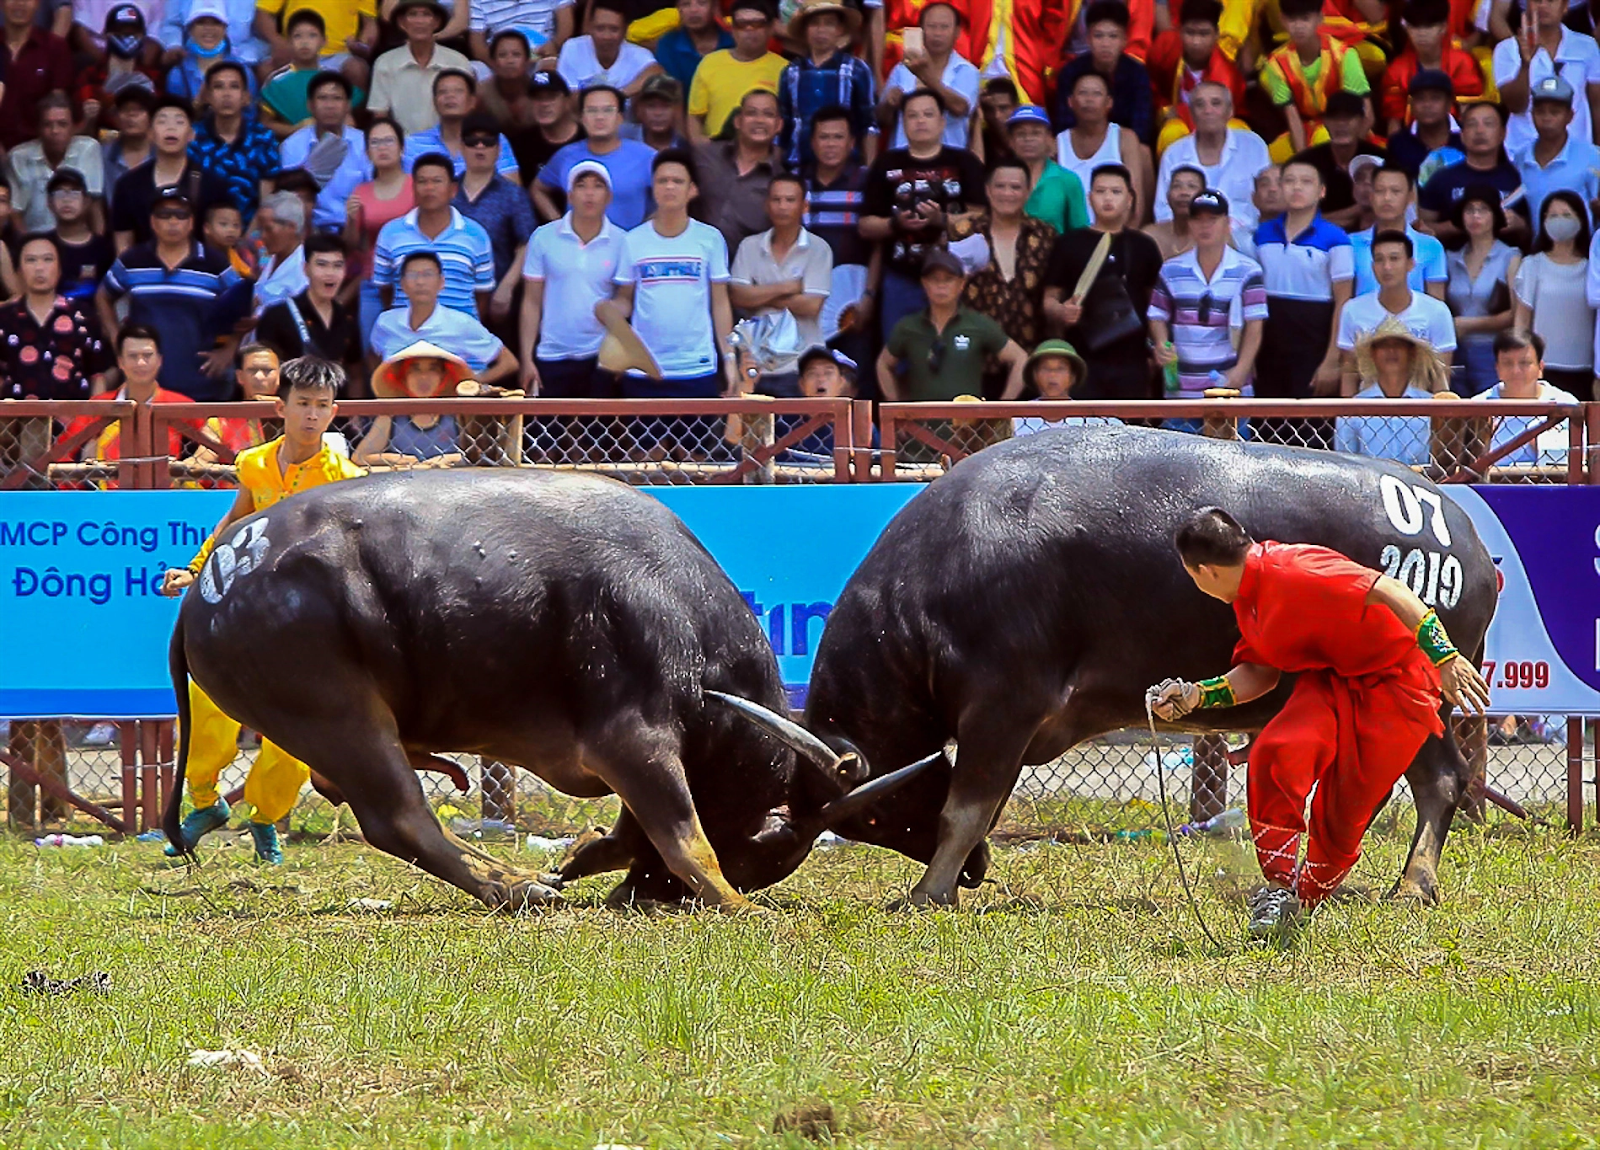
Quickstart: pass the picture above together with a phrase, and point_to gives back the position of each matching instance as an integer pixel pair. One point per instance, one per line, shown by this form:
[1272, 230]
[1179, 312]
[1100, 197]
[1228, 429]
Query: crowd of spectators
[895, 199]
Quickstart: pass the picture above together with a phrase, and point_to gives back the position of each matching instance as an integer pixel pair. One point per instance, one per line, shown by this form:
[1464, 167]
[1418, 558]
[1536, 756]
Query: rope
[1166, 815]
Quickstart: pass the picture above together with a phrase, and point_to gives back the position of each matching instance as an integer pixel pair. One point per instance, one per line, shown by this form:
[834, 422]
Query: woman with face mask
[1550, 293]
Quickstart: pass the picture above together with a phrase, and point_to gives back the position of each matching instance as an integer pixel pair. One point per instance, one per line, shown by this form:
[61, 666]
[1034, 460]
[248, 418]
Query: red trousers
[1352, 739]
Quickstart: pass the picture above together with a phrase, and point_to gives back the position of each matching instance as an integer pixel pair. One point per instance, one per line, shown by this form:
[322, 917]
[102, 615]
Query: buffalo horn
[866, 794]
[793, 735]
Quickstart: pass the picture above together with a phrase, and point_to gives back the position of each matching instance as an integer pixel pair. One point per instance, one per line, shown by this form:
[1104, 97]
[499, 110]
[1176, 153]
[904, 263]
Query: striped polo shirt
[191, 305]
[463, 249]
[1200, 313]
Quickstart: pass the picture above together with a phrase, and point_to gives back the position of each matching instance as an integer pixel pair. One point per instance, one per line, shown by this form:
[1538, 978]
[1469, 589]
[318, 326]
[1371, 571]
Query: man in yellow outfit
[297, 461]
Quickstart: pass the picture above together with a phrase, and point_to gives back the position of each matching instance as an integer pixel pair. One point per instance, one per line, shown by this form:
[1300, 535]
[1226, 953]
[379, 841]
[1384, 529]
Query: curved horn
[793, 735]
[866, 794]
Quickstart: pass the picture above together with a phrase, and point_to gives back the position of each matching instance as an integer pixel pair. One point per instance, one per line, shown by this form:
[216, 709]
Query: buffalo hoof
[976, 866]
[554, 881]
[925, 900]
[515, 898]
[1415, 892]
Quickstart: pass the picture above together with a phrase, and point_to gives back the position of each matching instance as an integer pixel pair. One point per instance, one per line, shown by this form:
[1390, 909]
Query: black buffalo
[1025, 601]
[566, 624]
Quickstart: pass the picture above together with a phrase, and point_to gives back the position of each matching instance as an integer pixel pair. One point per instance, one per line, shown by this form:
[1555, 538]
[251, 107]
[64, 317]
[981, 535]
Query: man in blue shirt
[339, 172]
[697, 35]
[230, 142]
[424, 318]
[600, 112]
[462, 246]
[824, 76]
[1556, 161]
[1391, 195]
[455, 97]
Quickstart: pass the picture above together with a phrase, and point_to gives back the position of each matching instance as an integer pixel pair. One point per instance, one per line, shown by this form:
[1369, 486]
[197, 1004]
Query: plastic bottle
[1218, 826]
[69, 841]
[1169, 371]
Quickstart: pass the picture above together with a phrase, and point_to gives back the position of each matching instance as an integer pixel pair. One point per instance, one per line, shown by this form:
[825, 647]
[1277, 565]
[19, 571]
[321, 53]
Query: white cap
[216, 9]
[588, 168]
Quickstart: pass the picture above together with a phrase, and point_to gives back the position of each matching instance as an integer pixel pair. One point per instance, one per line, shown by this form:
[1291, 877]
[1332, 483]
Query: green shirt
[962, 351]
[1057, 199]
[285, 94]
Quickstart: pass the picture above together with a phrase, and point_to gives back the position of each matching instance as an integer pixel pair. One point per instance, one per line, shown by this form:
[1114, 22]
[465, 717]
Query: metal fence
[119, 773]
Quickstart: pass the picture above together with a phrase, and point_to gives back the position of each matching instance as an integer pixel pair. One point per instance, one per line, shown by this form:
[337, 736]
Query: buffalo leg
[603, 853]
[1437, 784]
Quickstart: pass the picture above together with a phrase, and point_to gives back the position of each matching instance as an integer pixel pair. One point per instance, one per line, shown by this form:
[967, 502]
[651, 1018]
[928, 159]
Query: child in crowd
[1430, 48]
[223, 229]
[283, 96]
[1184, 58]
[421, 371]
[1053, 370]
[1301, 75]
[824, 374]
[297, 461]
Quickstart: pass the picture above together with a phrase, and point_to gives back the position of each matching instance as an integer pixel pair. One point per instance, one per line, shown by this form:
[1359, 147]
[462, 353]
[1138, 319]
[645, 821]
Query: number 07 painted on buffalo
[237, 557]
[1403, 502]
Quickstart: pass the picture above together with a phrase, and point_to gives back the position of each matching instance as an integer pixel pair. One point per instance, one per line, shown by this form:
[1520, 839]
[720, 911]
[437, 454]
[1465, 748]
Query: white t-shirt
[672, 278]
[580, 67]
[960, 75]
[1577, 62]
[1244, 157]
[1427, 319]
[576, 276]
[1562, 314]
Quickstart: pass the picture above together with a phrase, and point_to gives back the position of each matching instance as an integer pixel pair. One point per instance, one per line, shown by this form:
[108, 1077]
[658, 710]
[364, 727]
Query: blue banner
[86, 629]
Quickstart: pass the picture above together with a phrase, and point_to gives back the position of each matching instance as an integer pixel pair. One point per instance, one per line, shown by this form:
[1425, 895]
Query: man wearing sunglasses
[455, 97]
[939, 353]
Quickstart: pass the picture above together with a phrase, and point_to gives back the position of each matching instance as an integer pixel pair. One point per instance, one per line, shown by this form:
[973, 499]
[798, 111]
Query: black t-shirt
[339, 341]
[84, 265]
[533, 152]
[135, 196]
[1340, 193]
[1446, 185]
[1409, 152]
[953, 181]
[1134, 260]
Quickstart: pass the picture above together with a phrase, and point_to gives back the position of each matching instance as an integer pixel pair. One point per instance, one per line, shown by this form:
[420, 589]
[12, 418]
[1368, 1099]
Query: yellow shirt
[720, 82]
[342, 17]
[267, 483]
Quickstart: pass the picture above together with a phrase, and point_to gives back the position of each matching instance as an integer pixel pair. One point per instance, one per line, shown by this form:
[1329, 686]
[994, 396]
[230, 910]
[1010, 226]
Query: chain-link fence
[119, 772]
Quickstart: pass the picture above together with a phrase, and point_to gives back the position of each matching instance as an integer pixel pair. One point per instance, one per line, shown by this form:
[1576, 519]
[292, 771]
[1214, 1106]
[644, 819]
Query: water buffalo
[1025, 601]
[567, 624]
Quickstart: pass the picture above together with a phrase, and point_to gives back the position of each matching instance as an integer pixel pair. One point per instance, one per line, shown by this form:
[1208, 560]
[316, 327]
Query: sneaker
[200, 822]
[1275, 913]
[266, 839]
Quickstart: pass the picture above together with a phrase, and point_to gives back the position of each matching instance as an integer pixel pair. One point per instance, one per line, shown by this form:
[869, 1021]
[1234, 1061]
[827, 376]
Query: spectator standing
[1095, 140]
[230, 143]
[54, 346]
[1106, 318]
[1545, 47]
[33, 64]
[1195, 301]
[1128, 84]
[171, 132]
[672, 282]
[85, 255]
[1393, 261]
[1391, 197]
[185, 290]
[455, 97]
[1479, 290]
[312, 321]
[724, 76]
[506, 94]
[544, 25]
[1519, 362]
[462, 246]
[205, 43]
[33, 163]
[783, 270]
[424, 317]
[1482, 138]
[733, 175]
[240, 16]
[697, 35]
[1009, 287]
[628, 161]
[826, 74]
[1344, 120]
[835, 193]
[605, 56]
[402, 79]
[1556, 158]
[656, 111]
[1057, 198]
[1309, 270]
[282, 224]
[385, 197]
[569, 266]
[131, 110]
[1303, 76]
[554, 126]
[1172, 235]
[1393, 363]
[1228, 158]
[942, 351]
[1552, 301]
[499, 206]
[335, 151]
[1431, 129]
[911, 194]
[1429, 48]
[938, 66]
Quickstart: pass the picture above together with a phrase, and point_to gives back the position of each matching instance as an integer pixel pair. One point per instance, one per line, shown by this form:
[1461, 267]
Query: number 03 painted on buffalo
[237, 557]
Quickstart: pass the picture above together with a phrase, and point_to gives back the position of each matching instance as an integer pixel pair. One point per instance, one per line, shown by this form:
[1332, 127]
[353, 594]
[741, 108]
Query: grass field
[1070, 1003]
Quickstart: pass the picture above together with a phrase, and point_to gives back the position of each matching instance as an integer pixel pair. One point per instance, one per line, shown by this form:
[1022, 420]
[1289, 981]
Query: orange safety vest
[1309, 100]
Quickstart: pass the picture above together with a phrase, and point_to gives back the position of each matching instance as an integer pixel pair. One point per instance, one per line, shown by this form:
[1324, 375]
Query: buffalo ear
[863, 796]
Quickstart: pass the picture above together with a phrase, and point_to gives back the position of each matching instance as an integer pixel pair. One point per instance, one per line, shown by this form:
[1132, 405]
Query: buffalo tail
[178, 666]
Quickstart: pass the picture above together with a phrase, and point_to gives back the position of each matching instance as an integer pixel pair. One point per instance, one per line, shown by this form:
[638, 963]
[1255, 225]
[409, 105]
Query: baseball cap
[171, 197]
[1361, 163]
[1552, 88]
[548, 83]
[1432, 80]
[822, 351]
[661, 87]
[1209, 203]
[587, 168]
[66, 178]
[125, 31]
[941, 259]
[1028, 114]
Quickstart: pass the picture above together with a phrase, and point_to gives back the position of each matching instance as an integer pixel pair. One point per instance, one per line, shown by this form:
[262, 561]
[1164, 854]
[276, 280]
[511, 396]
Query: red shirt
[1303, 608]
[1459, 65]
[43, 65]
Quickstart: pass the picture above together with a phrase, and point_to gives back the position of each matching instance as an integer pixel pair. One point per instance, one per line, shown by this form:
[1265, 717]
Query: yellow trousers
[275, 780]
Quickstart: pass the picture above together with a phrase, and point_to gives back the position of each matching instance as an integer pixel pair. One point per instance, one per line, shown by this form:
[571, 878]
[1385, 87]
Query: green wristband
[1434, 641]
[1216, 692]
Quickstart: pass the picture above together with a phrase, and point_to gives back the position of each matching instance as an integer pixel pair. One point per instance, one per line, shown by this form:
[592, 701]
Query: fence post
[1575, 775]
[1208, 787]
[756, 435]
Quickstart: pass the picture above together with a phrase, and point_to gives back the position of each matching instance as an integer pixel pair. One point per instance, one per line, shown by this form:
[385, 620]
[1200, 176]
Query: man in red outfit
[1371, 661]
